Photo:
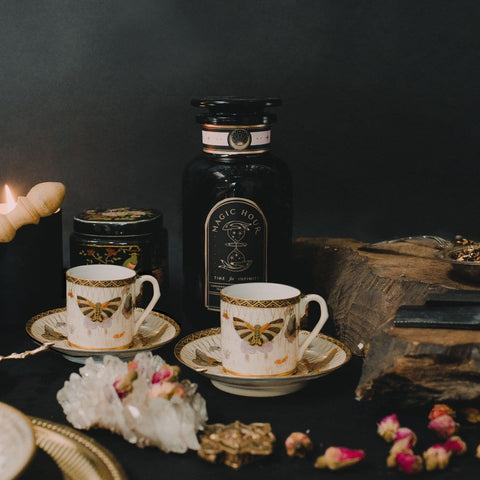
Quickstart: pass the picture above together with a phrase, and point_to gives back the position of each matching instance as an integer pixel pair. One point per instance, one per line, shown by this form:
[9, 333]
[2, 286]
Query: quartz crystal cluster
[143, 400]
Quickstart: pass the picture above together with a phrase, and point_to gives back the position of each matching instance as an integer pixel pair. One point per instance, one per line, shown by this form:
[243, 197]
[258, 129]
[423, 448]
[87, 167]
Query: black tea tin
[132, 237]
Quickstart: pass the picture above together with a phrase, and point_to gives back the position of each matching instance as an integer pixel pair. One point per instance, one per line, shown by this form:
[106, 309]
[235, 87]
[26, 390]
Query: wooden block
[412, 366]
[363, 290]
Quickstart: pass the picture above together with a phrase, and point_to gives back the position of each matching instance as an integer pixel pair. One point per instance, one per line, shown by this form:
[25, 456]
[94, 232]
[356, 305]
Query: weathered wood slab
[421, 365]
[364, 289]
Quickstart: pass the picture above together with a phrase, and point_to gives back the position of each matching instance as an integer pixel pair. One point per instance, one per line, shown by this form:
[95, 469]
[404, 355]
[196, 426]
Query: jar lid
[118, 221]
[236, 110]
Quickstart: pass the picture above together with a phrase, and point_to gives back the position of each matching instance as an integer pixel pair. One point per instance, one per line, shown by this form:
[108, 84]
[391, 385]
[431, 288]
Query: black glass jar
[237, 205]
[132, 237]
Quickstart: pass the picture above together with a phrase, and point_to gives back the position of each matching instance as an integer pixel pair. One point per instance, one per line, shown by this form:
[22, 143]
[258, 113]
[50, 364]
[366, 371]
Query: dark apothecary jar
[237, 205]
[131, 237]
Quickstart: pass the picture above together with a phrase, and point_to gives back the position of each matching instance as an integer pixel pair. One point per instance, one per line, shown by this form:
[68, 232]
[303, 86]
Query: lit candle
[10, 205]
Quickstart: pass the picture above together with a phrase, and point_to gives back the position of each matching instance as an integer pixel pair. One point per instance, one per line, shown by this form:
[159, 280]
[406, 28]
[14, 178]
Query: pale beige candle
[42, 200]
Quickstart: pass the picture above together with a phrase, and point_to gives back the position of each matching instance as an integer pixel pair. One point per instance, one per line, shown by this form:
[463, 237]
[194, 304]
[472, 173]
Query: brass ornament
[236, 444]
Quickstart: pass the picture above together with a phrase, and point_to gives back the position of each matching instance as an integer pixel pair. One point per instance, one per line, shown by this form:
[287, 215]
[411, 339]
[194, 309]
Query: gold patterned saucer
[157, 330]
[78, 456]
[202, 352]
[17, 442]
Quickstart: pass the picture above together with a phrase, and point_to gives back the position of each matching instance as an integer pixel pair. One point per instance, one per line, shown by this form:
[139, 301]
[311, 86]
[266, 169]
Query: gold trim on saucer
[51, 327]
[78, 456]
[203, 354]
[231, 372]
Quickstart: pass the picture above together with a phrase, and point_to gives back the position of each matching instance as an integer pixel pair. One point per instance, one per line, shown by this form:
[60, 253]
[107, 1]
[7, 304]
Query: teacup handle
[304, 301]
[156, 295]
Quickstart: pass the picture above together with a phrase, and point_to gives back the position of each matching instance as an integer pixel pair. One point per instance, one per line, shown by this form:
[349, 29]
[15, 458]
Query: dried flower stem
[28, 353]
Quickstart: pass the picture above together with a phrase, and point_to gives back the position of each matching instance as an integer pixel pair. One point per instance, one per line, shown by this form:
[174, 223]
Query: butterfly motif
[257, 334]
[98, 312]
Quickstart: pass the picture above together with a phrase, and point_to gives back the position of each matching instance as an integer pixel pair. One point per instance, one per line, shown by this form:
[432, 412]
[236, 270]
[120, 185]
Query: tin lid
[118, 221]
[230, 110]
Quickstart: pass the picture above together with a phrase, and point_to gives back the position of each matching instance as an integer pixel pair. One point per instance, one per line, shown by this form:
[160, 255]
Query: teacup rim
[122, 274]
[242, 298]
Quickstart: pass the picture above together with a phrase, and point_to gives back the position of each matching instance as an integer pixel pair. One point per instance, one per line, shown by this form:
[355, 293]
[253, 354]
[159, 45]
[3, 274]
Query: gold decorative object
[42, 200]
[236, 444]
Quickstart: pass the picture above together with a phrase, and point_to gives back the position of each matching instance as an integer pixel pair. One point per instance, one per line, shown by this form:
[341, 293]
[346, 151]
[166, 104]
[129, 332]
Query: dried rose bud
[477, 453]
[298, 444]
[166, 372]
[388, 426]
[444, 426]
[124, 383]
[472, 415]
[132, 365]
[400, 446]
[405, 432]
[455, 445]
[336, 458]
[436, 457]
[166, 390]
[440, 409]
[409, 463]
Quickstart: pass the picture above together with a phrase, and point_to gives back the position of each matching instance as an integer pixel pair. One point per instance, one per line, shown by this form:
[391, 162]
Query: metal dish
[467, 269]
[78, 456]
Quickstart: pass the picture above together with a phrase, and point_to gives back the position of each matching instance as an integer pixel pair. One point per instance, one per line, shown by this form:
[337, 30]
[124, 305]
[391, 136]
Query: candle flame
[10, 200]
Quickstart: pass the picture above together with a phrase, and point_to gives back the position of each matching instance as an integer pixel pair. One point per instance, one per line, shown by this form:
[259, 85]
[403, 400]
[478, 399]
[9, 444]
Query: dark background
[379, 122]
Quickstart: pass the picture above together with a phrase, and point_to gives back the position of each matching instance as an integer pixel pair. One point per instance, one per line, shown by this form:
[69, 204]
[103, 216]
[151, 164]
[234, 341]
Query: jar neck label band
[236, 140]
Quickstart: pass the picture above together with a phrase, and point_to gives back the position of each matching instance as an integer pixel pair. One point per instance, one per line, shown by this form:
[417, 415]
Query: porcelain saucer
[202, 352]
[157, 330]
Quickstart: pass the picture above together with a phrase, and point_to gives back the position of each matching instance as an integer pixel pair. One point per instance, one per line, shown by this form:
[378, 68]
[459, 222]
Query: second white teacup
[101, 305]
[259, 328]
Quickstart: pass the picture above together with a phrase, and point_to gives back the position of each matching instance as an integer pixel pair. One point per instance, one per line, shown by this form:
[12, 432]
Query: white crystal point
[89, 399]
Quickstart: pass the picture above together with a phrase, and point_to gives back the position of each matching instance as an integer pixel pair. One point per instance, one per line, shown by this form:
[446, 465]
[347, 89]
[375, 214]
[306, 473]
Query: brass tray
[78, 456]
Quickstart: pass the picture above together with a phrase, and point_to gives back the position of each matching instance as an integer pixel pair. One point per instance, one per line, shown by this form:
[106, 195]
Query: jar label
[221, 139]
[235, 247]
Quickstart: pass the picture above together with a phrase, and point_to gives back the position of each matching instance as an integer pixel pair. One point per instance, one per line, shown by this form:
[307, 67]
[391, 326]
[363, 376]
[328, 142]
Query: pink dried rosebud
[440, 409]
[132, 365]
[405, 432]
[403, 445]
[388, 426]
[444, 426]
[123, 385]
[455, 445]
[166, 390]
[436, 458]
[166, 372]
[298, 444]
[409, 463]
[336, 458]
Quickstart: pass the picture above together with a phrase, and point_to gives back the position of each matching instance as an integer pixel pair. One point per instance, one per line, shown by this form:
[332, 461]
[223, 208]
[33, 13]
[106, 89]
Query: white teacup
[101, 305]
[259, 328]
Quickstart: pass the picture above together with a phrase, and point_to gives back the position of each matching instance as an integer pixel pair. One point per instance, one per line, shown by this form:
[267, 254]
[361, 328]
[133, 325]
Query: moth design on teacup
[257, 335]
[98, 312]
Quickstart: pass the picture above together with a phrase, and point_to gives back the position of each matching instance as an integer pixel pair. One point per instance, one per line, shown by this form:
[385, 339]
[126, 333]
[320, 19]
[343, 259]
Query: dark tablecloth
[325, 408]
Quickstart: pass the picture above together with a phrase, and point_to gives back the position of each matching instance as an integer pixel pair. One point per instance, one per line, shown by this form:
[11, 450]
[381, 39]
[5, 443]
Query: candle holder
[31, 256]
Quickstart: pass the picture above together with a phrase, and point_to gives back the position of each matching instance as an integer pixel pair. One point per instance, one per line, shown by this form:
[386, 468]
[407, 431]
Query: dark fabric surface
[326, 408]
